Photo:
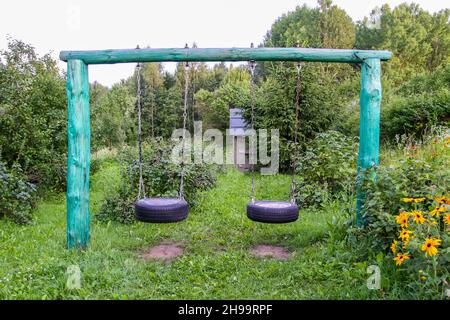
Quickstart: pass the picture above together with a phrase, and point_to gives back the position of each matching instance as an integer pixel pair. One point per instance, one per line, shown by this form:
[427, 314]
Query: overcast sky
[52, 25]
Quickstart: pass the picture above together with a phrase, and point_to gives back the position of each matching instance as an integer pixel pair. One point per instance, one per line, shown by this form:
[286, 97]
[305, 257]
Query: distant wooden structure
[240, 145]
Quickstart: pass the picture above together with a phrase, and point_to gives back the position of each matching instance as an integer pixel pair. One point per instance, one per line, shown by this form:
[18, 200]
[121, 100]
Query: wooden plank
[369, 127]
[224, 54]
[78, 162]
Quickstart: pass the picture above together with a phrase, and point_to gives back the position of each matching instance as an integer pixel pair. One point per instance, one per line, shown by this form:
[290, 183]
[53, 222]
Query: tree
[276, 108]
[213, 107]
[325, 26]
[325, 87]
[419, 41]
[33, 113]
[439, 40]
[114, 121]
[336, 28]
[152, 91]
[200, 78]
[97, 95]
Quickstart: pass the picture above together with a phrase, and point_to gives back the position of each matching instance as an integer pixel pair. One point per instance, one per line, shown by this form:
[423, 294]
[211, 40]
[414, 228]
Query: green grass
[216, 264]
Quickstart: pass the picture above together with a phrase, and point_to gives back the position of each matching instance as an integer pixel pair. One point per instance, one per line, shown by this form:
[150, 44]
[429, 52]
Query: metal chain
[297, 124]
[152, 109]
[252, 65]
[186, 88]
[194, 67]
[138, 95]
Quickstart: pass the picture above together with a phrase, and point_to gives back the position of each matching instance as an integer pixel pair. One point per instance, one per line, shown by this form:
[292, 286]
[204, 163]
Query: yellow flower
[402, 219]
[442, 200]
[447, 219]
[423, 278]
[437, 211]
[405, 234]
[430, 246]
[394, 246]
[400, 258]
[447, 141]
[416, 200]
[418, 217]
[405, 243]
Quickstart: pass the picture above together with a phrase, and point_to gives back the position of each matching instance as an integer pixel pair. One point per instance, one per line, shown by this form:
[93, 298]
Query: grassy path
[217, 264]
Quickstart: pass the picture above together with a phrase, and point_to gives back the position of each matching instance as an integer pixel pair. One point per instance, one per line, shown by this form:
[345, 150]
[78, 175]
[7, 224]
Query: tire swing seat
[161, 210]
[269, 211]
[272, 211]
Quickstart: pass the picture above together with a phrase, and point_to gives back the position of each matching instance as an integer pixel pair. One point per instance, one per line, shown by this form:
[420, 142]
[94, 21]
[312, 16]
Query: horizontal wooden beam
[224, 54]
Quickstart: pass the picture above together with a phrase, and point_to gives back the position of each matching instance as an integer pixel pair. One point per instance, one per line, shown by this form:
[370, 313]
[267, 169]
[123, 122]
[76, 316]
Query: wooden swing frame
[78, 162]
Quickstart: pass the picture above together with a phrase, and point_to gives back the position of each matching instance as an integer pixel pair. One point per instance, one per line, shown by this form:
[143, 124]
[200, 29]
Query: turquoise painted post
[78, 162]
[369, 126]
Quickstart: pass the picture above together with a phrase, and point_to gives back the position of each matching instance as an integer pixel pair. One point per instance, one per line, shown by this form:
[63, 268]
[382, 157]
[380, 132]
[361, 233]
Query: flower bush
[407, 219]
[422, 248]
[418, 172]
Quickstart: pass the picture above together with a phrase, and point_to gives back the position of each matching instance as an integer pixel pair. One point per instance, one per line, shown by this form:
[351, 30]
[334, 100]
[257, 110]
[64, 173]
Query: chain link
[252, 66]
[138, 95]
[186, 96]
[297, 124]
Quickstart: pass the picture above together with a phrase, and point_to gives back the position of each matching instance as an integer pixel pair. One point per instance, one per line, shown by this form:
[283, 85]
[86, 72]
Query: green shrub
[161, 179]
[326, 169]
[16, 194]
[427, 82]
[50, 175]
[415, 114]
[418, 104]
[33, 118]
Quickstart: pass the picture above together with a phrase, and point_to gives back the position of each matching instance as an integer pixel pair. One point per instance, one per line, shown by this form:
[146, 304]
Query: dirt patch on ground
[162, 252]
[274, 252]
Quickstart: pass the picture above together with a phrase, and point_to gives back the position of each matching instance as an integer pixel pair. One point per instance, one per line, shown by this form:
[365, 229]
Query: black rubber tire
[161, 210]
[272, 211]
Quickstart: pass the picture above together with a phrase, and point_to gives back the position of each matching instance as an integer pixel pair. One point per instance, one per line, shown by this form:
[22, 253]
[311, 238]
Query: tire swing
[160, 210]
[269, 211]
